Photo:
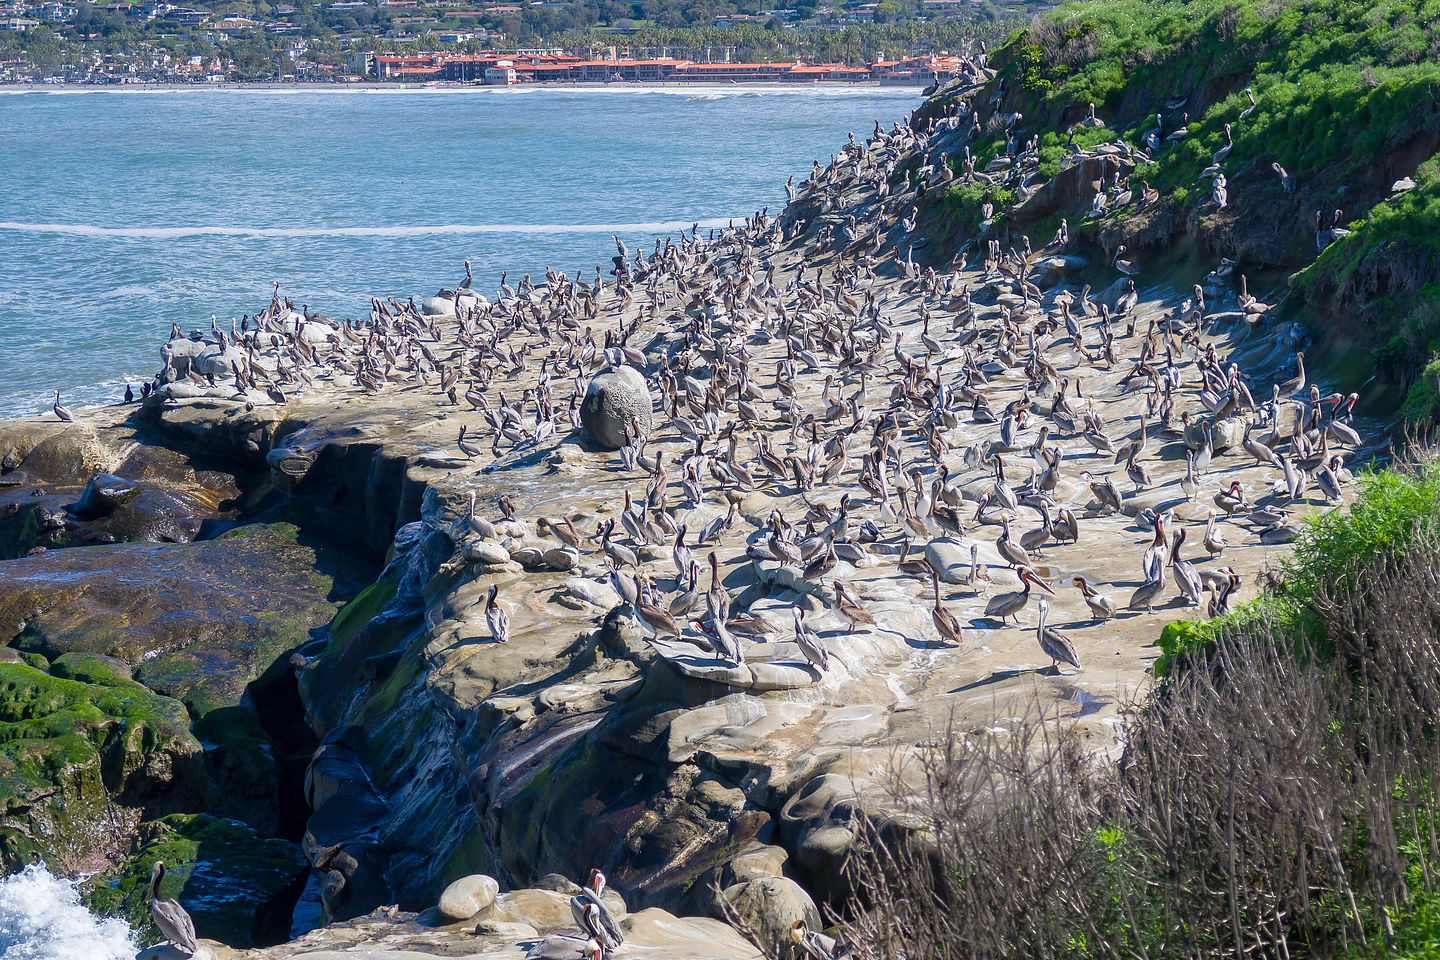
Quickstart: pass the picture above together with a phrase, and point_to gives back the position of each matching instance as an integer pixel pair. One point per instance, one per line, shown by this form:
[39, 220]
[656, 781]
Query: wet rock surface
[197, 622]
[238, 887]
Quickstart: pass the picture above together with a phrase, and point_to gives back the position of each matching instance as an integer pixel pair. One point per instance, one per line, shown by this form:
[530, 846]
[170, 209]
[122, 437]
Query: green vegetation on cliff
[1346, 99]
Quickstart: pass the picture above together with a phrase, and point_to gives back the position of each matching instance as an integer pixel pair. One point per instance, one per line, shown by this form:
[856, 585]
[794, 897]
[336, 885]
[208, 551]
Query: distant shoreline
[859, 86]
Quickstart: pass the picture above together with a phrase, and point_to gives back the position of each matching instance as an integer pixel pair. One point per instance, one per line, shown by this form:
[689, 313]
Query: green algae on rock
[82, 752]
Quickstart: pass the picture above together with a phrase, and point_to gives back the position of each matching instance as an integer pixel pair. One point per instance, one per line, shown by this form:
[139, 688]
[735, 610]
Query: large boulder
[769, 907]
[611, 400]
[467, 896]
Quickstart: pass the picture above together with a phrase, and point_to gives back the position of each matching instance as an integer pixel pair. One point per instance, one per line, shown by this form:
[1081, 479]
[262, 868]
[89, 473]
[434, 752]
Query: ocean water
[41, 918]
[122, 211]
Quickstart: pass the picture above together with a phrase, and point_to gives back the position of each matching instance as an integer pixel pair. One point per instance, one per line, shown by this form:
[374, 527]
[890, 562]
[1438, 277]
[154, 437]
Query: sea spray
[41, 918]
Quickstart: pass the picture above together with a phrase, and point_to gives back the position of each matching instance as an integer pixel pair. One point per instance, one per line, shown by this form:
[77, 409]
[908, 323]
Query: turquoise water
[122, 211]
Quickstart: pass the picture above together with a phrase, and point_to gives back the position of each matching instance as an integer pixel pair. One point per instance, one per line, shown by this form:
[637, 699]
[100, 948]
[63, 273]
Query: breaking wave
[41, 918]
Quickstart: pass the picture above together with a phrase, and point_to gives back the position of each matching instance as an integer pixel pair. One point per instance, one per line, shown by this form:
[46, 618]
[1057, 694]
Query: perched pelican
[1124, 266]
[496, 617]
[851, 608]
[810, 643]
[1287, 179]
[946, 623]
[174, 923]
[61, 411]
[1006, 605]
[1101, 606]
[1055, 644]
[593, 916]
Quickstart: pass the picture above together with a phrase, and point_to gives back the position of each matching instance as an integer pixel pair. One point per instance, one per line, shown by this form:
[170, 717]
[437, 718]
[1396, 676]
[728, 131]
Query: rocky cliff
[349, 588]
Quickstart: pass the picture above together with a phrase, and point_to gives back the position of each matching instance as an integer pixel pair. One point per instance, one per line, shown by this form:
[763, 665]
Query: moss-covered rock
[240, 889]
[196, 621]
[80, 754]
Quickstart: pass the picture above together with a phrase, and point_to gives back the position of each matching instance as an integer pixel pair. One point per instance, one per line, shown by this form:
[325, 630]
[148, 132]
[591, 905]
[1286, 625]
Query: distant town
[452, 42]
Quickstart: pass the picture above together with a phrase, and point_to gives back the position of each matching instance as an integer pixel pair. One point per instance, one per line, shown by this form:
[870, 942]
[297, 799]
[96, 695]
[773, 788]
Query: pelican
[851, 608]
[62, 412]
[559, 946]
[470, 450]
[946, 623]
[1124, 266]
[1185, 576]
[1101, 606]
[1005, 605]
[655, 619]
[496, 617]
[1287, 179]
[810, 643]
[1055, 644]
[1214, 542]
[593, 916]
[174, 923]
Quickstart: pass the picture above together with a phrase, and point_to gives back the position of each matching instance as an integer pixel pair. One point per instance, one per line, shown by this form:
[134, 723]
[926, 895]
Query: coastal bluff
[341, 598]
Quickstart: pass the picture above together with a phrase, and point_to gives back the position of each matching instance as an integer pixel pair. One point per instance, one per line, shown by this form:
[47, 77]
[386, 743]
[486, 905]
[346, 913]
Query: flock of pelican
[878, 403]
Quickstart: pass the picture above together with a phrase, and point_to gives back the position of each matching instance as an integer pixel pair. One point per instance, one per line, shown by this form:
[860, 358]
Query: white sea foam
[41, 918]
[449, 229]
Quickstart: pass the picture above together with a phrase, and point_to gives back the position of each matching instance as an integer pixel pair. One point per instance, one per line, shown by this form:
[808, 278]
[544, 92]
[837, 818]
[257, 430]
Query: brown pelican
[1124, 266]
[1296, 384]
[1055, 644]
[1287, 179]
[1148, 592]
[61, 411]
[593, 916]
[1185, 576]
[946, 623]
[174, 923]
[655, 619]
[1006, 605]
[621, 554]
[559, 946]
[1104, 490]
[810, 643]
[717, 600]
[1214, 543]
[1101, 606]
[470, 450]
[851, 608]
[496, 616]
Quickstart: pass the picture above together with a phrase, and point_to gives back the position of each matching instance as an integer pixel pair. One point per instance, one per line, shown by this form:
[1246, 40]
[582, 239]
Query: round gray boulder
[468, 896]
[612, 398]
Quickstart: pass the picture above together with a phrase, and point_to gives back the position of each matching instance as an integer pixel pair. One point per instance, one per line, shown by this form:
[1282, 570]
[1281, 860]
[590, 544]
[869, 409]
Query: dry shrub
[1269, 803]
